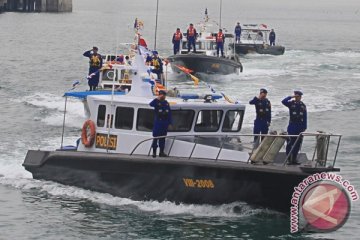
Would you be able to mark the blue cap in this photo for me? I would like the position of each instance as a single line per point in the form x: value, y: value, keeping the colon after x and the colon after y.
x: 162, y: 92
x: 298, y: 92
x: 155, y: 52
x: 263, y: 90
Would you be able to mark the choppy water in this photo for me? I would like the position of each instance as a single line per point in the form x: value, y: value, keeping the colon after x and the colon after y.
x: 41, y: 55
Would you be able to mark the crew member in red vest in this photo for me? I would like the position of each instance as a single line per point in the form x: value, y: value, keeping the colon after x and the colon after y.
x: 220, y: 39
x: 177, y: 37
x: 191, y: 37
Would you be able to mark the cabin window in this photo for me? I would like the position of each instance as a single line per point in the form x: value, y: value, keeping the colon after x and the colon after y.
x: 208, y: 121
x: 108, y: 75
x: 145, y: 120
x: 124, y: 118
x: 101, y: 116
x: 233, y: 120
x: 182, y: 120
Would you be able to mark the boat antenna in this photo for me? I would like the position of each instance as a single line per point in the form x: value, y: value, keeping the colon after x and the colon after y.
x: 220, y: 13
x: 156, y: 21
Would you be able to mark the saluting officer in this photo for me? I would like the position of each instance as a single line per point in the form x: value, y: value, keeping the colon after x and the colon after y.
x: 191, y: 37
x: 177, y: 37
x: 95, y: 66
x: 297, y: 123
x: 263, y: 113
x: 161, y: 122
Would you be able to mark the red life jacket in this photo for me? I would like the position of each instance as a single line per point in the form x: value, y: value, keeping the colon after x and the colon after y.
x: 191, y: 32
x: 219, y: 37
x: 178, y: 36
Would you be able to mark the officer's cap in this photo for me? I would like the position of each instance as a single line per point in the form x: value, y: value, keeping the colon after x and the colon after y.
x: 298, y: 93
x: 155, y: 52
x: 95, y: 48
x: 263, y: 90
x: 162, y: 92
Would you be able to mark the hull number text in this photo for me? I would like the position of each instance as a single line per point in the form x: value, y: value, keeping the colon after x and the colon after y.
x: 198, y: 183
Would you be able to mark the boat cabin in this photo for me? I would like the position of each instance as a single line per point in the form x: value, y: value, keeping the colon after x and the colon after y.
x: 206, y: 43
x: 254, y: 34
x: 127, y: 121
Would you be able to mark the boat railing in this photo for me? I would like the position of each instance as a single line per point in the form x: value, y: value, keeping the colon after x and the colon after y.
x: 324, y: 147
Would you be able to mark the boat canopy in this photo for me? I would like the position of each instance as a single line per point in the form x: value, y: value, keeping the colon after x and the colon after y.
x: 85, y: 94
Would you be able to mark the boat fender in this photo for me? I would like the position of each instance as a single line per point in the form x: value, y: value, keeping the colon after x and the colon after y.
x: 88, y: 138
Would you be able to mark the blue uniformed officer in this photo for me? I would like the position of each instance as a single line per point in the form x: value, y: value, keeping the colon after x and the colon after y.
x: 272, y: 37
x: 95, y: 66
x: 237, y: 32
x: 297, y: 123
x: 263, y: 113
x: 162, y: 121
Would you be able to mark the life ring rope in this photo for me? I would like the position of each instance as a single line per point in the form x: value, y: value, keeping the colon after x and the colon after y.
x: 88, y: 137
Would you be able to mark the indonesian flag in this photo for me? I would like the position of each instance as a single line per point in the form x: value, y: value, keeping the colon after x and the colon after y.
x: 263, y: 25
x: 142, y: 42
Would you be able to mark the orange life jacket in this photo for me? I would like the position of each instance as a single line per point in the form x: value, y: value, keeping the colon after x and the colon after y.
x: 191, y: 32
x: 178, y: 36
x: 219, y: 37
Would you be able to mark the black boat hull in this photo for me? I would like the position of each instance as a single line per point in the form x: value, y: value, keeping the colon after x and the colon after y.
x: 200, y: 63
x: 258, y: 48
x: 180, y: 180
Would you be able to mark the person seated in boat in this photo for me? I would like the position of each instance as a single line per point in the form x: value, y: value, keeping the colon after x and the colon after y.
x: 157, y: 64
x: 220, y: 39
x: 95, y: 65
x: 177, y: 37
x: 120, y: 59
x: 263, y: 114
x: 297, y: 124
x: 237, y: 32
x: 162, y: 122
x: 272, y: 37
x: 191, y: 36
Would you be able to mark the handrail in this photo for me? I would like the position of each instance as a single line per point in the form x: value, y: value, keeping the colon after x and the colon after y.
x: 298, y: 137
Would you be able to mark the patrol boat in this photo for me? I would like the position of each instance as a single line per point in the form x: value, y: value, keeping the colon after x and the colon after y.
x: 205, y: 59
x: 209, y: 161
x: 254, y: 39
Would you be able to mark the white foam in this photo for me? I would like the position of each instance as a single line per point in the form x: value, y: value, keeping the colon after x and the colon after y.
x: 233, y: 210
x: 75, y: 109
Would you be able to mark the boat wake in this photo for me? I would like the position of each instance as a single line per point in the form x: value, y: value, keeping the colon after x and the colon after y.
x: 232, y: 210
x: 51, y: 109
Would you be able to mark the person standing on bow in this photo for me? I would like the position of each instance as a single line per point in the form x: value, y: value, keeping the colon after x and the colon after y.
x: 162, y: 121
x: 272, y: 37
x: 237, y: 33
x: 177, y: 37
x: 191, y: 36
x: 297, y: 124
x: 158, y: 65
x: 94, y: 68
x: 220, y: 39
x: 263, y: 114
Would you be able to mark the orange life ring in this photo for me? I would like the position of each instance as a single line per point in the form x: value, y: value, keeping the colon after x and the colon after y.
x: 88, y: 138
